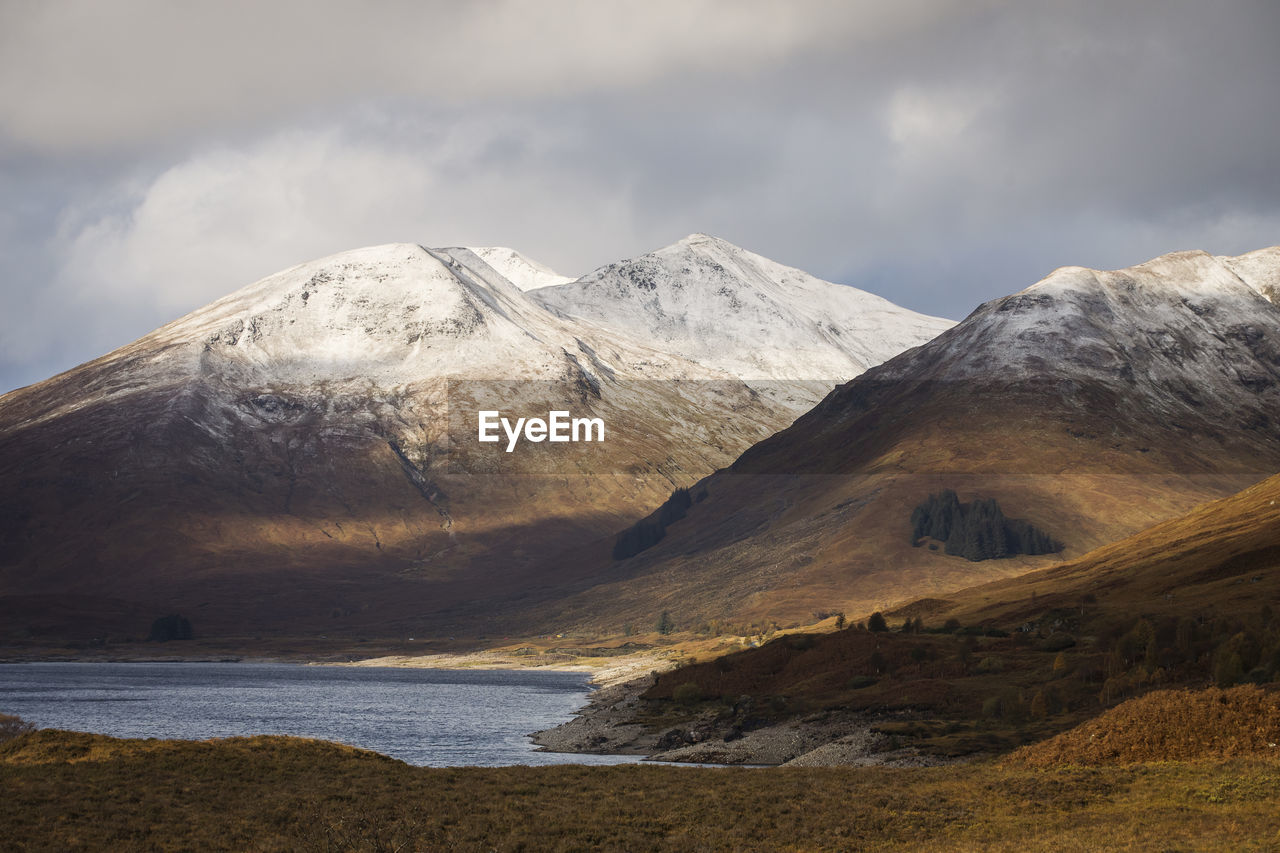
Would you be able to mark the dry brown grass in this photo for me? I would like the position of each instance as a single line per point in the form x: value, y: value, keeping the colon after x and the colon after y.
x: 1168, y: 725
x: 64, y: 792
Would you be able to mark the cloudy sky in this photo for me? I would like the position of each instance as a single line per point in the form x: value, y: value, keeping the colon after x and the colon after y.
x: 156, y: 155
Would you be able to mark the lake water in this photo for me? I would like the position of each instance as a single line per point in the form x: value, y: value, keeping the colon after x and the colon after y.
x: 430, y: 717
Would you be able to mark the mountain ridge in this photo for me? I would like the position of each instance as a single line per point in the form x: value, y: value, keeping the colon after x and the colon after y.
x: 307, y: 444
x: 681, y: 296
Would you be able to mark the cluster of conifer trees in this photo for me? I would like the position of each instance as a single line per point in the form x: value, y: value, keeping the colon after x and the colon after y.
x: 647, y: 532
x: 171, y: 627
x: 977, y: 530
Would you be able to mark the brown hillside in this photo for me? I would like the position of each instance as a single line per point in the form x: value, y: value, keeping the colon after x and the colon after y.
x: 1168, y: 725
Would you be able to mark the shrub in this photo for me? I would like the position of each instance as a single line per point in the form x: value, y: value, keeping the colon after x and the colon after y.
x: 877, y: 623
x: 1056, y: 642
x: 990, y: 664
x: 1229, y: 670
x: 687, y: 693
x: 665, y: 624
x: 12, y: 727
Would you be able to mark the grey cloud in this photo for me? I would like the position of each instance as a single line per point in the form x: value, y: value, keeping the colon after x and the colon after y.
x: 78, y: 74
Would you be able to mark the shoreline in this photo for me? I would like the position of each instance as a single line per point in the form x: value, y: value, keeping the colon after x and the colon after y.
x: 610, y: 722
x: 605, y: 671
x: 602, y: 664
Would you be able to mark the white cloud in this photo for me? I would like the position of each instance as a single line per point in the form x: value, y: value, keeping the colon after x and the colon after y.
x: 922, y: 122
x: 226, y: 217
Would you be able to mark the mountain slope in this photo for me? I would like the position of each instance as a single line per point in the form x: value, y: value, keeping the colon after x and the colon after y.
x: 1222, y: 558
x: 303, y: 455
x: 1092, y: 404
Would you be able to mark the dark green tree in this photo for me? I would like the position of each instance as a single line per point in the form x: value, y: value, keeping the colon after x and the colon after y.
x: 977, y: 530
x: 877, y: 622
x: 1229, y: 670
x: 649, y: 531
x: 665, y: 625
x: 171, y: 627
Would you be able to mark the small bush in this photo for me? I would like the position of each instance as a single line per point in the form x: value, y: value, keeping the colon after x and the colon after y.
x: 13, y: 727
x: 990, y: 664
x: 1056, y: 642
x: 687, y: 693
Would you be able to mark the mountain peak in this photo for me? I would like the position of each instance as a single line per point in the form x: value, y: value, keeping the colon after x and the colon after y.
x: 1183, y: 326
x: 1260, y: 270
x: 702, y: 244
x: 725, y: 307
x: 698, y: 238
x: 1187, y: 272
x: 521, y: 270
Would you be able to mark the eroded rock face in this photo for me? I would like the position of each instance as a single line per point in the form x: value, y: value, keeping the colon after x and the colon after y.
x: 613, y: 723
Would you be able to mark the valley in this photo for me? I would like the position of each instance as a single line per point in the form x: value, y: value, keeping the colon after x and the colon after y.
x: 1017, y: 581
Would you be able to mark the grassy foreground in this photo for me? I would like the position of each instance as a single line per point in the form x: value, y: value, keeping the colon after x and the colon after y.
x: 68, y: 791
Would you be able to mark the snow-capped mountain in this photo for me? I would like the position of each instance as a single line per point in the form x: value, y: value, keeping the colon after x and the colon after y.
x: 1093, y: 404
x: 306, y: 449
x: 525, y: 273
x: 1186, y: 336
x: 722, y: 306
